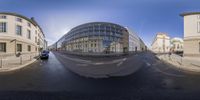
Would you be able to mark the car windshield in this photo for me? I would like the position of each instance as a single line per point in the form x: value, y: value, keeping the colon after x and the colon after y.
x: 44, y: 51
x: 99, y: 49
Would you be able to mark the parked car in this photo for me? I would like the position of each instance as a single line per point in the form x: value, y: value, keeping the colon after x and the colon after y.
x: 44, y: 54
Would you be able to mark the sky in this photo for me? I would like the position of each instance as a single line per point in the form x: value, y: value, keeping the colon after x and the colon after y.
x: 145, y: 17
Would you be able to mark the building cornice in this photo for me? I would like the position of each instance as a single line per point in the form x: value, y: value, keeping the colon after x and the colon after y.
x: 30, y: 20
x: 189, y: 13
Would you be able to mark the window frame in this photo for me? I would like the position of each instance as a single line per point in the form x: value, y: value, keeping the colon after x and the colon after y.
x: 28, y: 34
x: 19, y: 49
x: 19, y: 19
x: 3, y: 17
x: 198, y: 27
x: 16, y: 30
x: 4, y: 47
x: 4, y: 28
x: 29, y: 48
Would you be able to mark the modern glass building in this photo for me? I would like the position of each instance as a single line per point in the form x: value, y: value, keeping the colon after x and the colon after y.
x: 97, y: 37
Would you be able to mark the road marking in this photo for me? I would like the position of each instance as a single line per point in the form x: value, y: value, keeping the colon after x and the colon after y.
x: 169, y: 74
x: 98, y: 63
x: 119, y: 61
x: 82, y: 64
x: 148, y: 64
x: 76, y: 59
x: 119, y: 64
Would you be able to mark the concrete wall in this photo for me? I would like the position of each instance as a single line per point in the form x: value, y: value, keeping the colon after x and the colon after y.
x: 191, y: 35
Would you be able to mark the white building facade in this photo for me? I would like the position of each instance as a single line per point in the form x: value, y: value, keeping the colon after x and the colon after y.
x: 161, y: 43
x: 191, y: 34
x: 134, y: 41
x: 19, y: 34
x: 177, y: 44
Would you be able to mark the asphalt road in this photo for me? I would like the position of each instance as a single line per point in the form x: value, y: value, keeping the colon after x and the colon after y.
x: 51, y: 80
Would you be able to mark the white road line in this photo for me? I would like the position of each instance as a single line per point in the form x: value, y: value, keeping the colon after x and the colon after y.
x: 76, y: 59
x: 119, y: 61
x: 119, y: 64
x: 169, y: 74
x: 148, y: 64
x: 82, y: 64
x: 99, y: 63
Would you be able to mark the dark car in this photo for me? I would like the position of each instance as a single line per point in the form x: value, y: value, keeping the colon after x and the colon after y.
x: 44, y: 54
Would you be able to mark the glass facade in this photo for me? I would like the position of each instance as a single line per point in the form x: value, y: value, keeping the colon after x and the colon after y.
x: 97, y: 37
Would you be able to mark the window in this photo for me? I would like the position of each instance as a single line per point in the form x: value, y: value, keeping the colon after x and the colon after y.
x: 95, y: 45
x: 198, y: 16
x: 3, y: 27
x: 198, y: 27
x: 199, y: 46
x: 3, y: 17
x: 19, y: 19
x: 2, y: 47
x: 178, y: 46
x: 28, y: 34
x: 29, y: 24
x: 19, y: 47
x: 19, y: 30
x: 29, y: 48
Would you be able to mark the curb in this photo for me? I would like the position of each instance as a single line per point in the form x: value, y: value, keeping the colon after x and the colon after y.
x: 17, y: 68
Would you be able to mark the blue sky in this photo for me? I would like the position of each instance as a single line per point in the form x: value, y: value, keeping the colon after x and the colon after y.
x: 145, y: 17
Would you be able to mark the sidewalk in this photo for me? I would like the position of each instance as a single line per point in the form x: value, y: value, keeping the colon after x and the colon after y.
x: 184, y: 63
x: 13, y: 63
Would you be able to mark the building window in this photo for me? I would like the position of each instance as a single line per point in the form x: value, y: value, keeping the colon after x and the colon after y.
x: 198, y: 16
x: 19, y: 19
x: 29, y: 24
x: 3, y: 26
x: 19, y: 30
x: 199, y: 46
x: 29, y: 48
x: 95, y: 45
x: 2, y: 47
x: 3, y: 17
x: 28, y: 34
x: 198, y: 27
x: 19, y: 47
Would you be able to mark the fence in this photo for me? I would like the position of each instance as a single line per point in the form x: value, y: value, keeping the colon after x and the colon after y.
x: 13, y: 60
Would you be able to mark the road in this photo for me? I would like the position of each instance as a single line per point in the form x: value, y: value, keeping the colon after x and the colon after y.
x: 52, y: 80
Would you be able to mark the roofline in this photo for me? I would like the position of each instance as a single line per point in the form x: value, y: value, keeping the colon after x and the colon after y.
x: 28, y: 19
x: 94, y: 23
x: 189, y: 13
